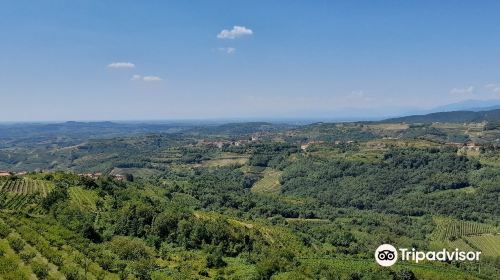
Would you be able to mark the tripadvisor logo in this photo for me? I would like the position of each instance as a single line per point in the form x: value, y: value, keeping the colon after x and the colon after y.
x: 387, y: 255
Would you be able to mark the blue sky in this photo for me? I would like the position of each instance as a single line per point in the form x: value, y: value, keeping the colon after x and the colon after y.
x: 172, y: 59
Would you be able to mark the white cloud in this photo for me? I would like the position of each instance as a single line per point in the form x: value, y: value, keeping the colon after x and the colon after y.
x: 121, y: 65
x: 228, y: 50
x: 145, y: 78
x: 151, y: 78
x: 236, y: 32
x: 493, y: 87
x: 358, y: 96
x: 462, y: 91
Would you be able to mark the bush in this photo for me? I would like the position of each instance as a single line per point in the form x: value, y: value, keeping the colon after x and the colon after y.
x: 53, y: 256
x: 143, y: 268
x: 6, y: 265
x: 27, y: 255
x: 4, y: 230
x: 71, y: 272
x: 404, y: 274
x: 215, y: 260
x: 40, y: 269
x: 130, y: 248
x: 17, y: 244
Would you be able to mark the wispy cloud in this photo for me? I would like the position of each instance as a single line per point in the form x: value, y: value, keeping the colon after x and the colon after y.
x: 493, y: 87
x: 228, y: 50
x: 146, y: 78
x: 462, y: 91
x: 236, y: 32
x: 151, y: 78
x: 121, y: 65
x: 136, y: 78
x: 359, y: 96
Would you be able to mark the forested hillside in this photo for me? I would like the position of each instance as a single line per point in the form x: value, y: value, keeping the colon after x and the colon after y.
x: 256, y: 202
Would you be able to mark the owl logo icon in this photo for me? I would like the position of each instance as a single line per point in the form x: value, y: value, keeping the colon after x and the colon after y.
x: 386, y: 255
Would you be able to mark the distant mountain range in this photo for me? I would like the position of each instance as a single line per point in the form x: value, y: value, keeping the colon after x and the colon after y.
x: 453, y: 117
x: 468, y: 105
x: 465, y: 105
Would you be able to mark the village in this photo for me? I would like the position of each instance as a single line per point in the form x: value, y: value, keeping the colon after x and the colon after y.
x: 95, y: 175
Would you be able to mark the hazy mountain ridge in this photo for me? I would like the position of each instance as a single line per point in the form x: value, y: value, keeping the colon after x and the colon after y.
x: 453, y: 117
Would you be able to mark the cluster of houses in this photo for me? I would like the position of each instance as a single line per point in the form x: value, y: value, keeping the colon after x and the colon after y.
x: 96, y: 175
x: 8, y: 173
x: 227, y: 143
x: 90, y: 175
x: 306, y: 145
x: 471, y: 146
x: 118, y: 177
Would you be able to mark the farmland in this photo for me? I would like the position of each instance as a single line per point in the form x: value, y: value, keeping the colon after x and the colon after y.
x: 269, y: 182
x: 489, y: 244
x: 83, y: 198
x: 25, y: 187
x: 452, y: 229
x: 39, y: 257
x: 23, y: 194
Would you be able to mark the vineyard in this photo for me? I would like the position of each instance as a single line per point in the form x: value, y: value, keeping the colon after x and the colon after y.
x: 467, y: 236
x: 83, y: 198
x: 41, y: 251
x: 488, y: 244
x: 269, y: 183
x: 24, y: 194
x: 26, y: 186
x: 448, y: 229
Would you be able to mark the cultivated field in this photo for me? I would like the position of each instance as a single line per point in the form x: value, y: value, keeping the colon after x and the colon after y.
x: 269, y: 183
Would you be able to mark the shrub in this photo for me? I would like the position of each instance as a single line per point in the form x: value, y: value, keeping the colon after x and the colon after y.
x: 17, y: 244
x: 404, y: 274
x: 130, y: 248
x: 4, y: 230
x: 143, y: 268
x: 6, y: 265
x: 27, y: 255
x: 53, y: 256
x: 71, y: 272
x: 40, y: 269
x: 214, y: 260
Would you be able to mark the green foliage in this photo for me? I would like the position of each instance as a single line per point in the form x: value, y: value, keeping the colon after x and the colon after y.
x: 16, y: 243
x: 4, y: 230
x: 166, y: 223
x: 399, y: 184
x: 129, y: 248
x: 27, y: 255
x: 40, y: 269
x: 60, y: 193
x: 404, y: 274
x: 214, y: 258
x: 275, y: 260
x: 71, y: 272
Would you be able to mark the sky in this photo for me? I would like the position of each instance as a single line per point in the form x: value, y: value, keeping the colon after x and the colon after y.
x: 161, y: 60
